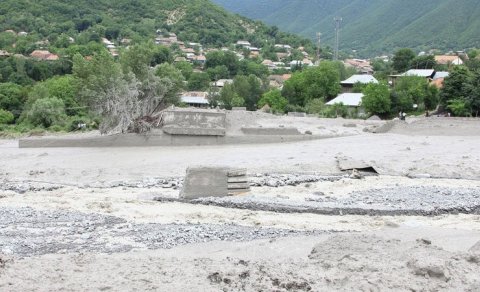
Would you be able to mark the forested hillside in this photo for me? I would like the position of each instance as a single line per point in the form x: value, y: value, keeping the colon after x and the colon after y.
x: 193, y: 20
x: 64, y: 64
x: 373, y: 26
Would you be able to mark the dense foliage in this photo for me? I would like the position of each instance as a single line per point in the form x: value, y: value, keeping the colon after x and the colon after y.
x: 87, y: 21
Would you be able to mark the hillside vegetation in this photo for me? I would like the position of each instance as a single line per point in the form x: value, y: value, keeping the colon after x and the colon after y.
x: 373, y: 26
x: 193, y: 20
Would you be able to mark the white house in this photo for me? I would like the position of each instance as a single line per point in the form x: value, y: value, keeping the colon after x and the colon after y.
x: 347, y: 85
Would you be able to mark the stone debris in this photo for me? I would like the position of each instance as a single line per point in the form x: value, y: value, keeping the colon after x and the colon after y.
x: 29, y: 232
x: 401, y: 200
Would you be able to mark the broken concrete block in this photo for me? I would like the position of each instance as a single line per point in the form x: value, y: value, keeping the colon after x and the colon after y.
x: 214, y: 182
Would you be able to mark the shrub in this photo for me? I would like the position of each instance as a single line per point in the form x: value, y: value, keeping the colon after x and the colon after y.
x: 336, y: 110
x: 459, y: 108
x: 294, y: 108
x: 275, y: 100
x: 6, y: 117
x: 315, y: 106
x: 46, y: 112
x: 377, y: 99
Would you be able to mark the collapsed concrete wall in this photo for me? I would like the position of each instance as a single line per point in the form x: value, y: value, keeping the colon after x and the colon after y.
x: 194, y: 122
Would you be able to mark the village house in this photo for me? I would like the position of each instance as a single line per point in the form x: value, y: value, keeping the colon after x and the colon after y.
x: 282, y: 56
x: 220, y: 83
x: 244, y: 44
x: 362, y: 66
x: 353, y: 101
x: 180, y: 59
x: 277, y: 81
x: 4, y: 54
x: 448, y: 60
x: 44, y: 55
x: 439, y: 79
x: 348, y: 84
x: 434, y: 78
x: 200, y: 59
x: 281, y: 46
x: 195, y: 99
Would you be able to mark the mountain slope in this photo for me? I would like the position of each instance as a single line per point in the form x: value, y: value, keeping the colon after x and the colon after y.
x: 373, y: 26
x: 193, y: 20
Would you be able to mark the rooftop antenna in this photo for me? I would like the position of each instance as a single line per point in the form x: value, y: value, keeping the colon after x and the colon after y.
x: 338, y: 23
x: 318, y: 45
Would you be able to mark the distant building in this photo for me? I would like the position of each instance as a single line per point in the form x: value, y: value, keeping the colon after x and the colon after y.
x: 44, y: 55
x: 195, y: 99
x: 200, y: 59
x: 361, y: 65
x: 448, y: 60
x: 222, y: 82
x: 353, y: 101
x: 347, y: 85
x: 430, y: 74
x: 4, y: 54
x: 244, y: 44
x: 439, y: 79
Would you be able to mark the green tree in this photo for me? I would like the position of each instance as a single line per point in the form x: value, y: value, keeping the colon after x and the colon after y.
x: 249, y: 88
x: 275, y: 101
x: 6, y: 117
x: 186, y: 68
x: 228, y: 98
x: 63, y: 87
x: 423, y: 62
x: 456, y: 85
x: 315, y: 106
x: 47, y: 112
x: 198, y: 81
x: 316, y: 82
x: 411, y: 90
x: 12, y: 98
x: 473, y: 98
x: 376, y: 99
x: 403, y: 59
x: 219, y: 72
x: 249, y: 67
x: 459, y: 107
x: 223, y: 58
x: 169, y: 71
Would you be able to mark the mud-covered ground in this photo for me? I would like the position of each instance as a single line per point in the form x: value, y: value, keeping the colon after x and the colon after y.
x: 83, y: 219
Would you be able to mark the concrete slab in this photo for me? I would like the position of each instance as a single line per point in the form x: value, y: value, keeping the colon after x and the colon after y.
x: 173, y: 130
x: 194, y: 122
x: 205, y: 182
x: 137, y: 140
x: 271, y: 131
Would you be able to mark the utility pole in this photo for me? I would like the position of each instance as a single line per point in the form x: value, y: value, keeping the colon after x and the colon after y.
x: 318, y: 46
x: 338, y: 23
